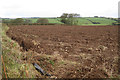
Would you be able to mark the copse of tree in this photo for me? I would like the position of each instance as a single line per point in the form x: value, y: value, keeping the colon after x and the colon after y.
x: 64, y: 15
x: 42, y: 21
x: 70, y: 19
x: 95, y: 16
x: 5, y: 21
x: 71, y: 15
x: 17, y: 21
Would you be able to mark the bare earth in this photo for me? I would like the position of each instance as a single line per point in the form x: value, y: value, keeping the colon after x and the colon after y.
x: 71, y: 51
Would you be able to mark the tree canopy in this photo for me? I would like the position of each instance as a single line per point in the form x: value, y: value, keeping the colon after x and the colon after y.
x: 70, y: 19
x: 17, y: 21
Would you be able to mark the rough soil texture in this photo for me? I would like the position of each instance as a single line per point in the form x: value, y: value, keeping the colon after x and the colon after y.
x: 71, y: 51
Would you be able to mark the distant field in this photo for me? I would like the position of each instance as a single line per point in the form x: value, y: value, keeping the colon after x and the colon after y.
x: 102, y: 21
x: 55, y: 20
x: 81, y: 21
x: 86, y: 21
x: 33, y: 20
x: 51, y: 20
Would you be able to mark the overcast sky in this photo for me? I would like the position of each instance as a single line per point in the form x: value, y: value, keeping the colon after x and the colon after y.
x: 55, y: 8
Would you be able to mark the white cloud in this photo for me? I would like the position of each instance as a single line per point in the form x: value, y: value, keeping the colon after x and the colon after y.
x: 51, y: 8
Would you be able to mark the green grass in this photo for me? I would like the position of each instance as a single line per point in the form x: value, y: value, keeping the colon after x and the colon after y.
x: 33, y: 20
x: 102, y: 21
x: 51, y: 62
x: 83, y: 21
x: 52, y: 20
x: 12, y: 56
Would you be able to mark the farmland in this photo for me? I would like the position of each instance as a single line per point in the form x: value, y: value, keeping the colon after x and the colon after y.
x: 90, y: 21
x: 102, y: 21
x: 82, y: 21
x: 70, y: 51
x: 51, y: 20
x: 55, y: 20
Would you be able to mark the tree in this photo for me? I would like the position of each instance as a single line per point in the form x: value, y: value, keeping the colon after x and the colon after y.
x: 70, y: 19
x: 95, y: 16
x: 42, y: 21
x: 17, y: 21
x: 64, y: 15
x: 6, y: 21
x: 71, y: 15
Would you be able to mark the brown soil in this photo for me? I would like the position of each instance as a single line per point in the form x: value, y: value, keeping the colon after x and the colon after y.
x: 71, y: 51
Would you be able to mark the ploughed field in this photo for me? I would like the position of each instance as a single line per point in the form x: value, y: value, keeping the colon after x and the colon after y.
x: 70, y: 51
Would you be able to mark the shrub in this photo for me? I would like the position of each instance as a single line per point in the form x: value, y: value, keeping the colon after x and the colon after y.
x: 95, y: 22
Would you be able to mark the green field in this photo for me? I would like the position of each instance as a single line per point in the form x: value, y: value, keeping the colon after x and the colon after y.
x: 50, y: 20
x: 81, y: 20
x: 86, y: 21
x: 55, y: 20
x: 102, y: 21
x: 33, y: 20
